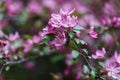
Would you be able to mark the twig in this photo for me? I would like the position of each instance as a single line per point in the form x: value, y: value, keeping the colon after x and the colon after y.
x: 2, y: 68
x: 10, y: 63
x: 15, y: 62
x: 84, y: 57
x: 86, y: 61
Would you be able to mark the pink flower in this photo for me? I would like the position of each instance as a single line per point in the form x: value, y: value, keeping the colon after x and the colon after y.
x: 63, y: 20
x: 67, y: 71
x: 111, y: 67
x: 60, y: 39
x: 79, y: 74
x: 34, y: 7
x: 99, y: 54
x: 55, y: 21
x: 13, y: 7
x: 70, y: 22
x: 110, y: 21
x: 109, y: 8
x: 66, y: 13
x: 89, y: 19
x: 117, y: 57
x: 13, y: 37
x: 58, y: 25
x: 116, y: 21
x: 28, y: 46
x: 4, y: 47
x: 92, y: 33
x: 108, y: 39
x: 37, y: 38
x: 51, y: 4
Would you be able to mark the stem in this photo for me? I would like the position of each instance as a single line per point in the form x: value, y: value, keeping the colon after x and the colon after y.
x: 15, y: 62
x: 89, y: 65
x: 2, y: 68
x: 86, y: 61
x: 115, y: 39
x: 10, y: 63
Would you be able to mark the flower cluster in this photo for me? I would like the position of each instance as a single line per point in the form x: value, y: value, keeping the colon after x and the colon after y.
x: 112, y: 66
x: 59, y: 25
x: 86, y: 31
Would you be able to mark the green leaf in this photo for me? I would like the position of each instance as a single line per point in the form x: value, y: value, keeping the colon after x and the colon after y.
x: 82, y: 78
x: 15, y: 57
x: 82, y: 42
x: 92, y: 75
x: 7, y: 68
x: 77, y: 40
x: 1, y: 56
x: 27, y: 36
x: 85, y: 69
x: 77, y: 28
x: 73, y: 45
x: 45, y: 40
x: 101, y: 64
x: 71, y: 35
x: 57, y: 58
x: 75, y: 53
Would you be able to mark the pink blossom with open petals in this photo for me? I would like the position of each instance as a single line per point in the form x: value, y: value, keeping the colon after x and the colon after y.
x: 37, y: 38
x: 28, y: 46
x: 13, y: 37
x: 92, y: 33
x: 60, y: 39
x: 55, y: 21
x: 13, y: 7
x: 99, y: 54
x: 109, y: 8
x: 4, y: 48
x: 34, y: 7
x: 63, y: 20
x: 111, y: 67
x: 66, y: 13
x: 70, y: 22
x: 117, y: 57
x: 58, y: 25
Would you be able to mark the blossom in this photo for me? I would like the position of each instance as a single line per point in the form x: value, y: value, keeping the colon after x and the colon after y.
x: 34, y: 7
x: 117, y: 57
x: 13, y: 7
x: 110, y: 21
x: 109, y: 8
x: 28, y: 46
x: 4, y: 48
x: 51, y: 4
x: 55, y: 21
x: 116, y: 21
x: 13, y: 37
x: 89, y: 19
x: 58, y: 25
x: 99, y: 54
x: 111, y: 67
x: 92, y: 33
x: 66, y: 13
x: 37, y: 38
x: 59, y: 41
x: 70, y: 22
x: 64, y: 19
